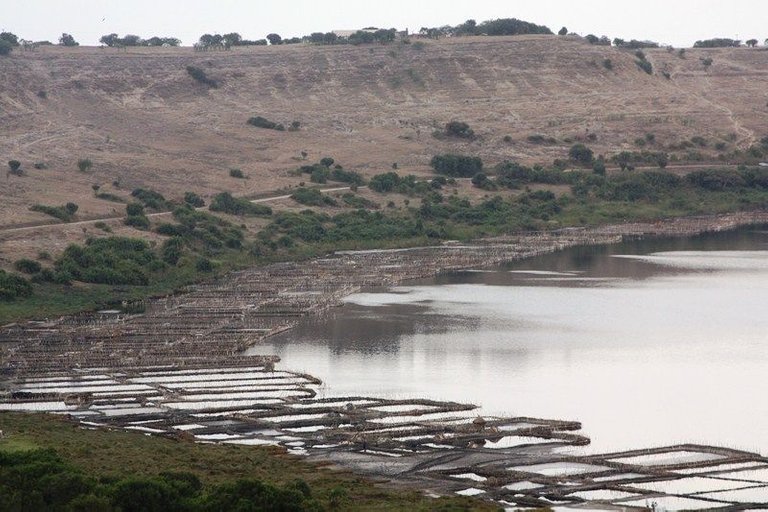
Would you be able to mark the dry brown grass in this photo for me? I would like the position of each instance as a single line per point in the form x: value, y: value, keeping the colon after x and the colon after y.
x: 143, y: 121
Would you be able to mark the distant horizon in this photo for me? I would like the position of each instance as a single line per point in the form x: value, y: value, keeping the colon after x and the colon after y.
x: 678, y: 23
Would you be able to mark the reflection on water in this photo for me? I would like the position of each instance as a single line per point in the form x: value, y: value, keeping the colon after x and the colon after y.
x: 646, y: 343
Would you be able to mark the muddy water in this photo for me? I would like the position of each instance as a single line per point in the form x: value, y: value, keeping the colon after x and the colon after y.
x: 647, y: 343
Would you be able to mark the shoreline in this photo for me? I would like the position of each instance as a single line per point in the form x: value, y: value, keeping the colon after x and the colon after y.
x: 178, y: 371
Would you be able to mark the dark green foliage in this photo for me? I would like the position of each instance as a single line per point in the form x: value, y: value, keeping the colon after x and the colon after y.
x: 226, y: 203
x: 64, y: 213
x: 480, y: 180
x: 204, y: 265
x: 112, y: 260
x: 106, y: 196
x: 40, y: 165
x: 67, y: 40
x: 194, y: 200
x: 312, y: 197
x: 384, y: 182
x: 135, y: 216
x: 510, y: 27
x: 581, y: 154
x: 608, y: 64
x: 513, y: 175
x: 599, y: 41
x: 459, y: 129
x: 5, y: 47
x: 13, y: 286
x: 262, y: 122
x: 40, y: 480
x: 457, y: 165
x: 541, y: 139
x: 645, y: 66
x: 351, y: 177
x: 326, y: 161
x: 627, y: 158
x: 598, y: 167
x: 718, y: 42
x: 200, y: 75
x: 27, y: 266
x: 15, y: 167
x: 562, y: 32
x: 356, y: 201
x: 236, y: 173
x: 10, y: 38
x: 84, y: 164
x: 707, y: 62
x: 151, y: 199
x: 320, y: 174
x: 634, y: 44
x: 716, y: 180
x: 172, y: 250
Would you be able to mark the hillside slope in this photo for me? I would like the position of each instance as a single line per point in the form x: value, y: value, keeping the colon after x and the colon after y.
x: 144, y: 121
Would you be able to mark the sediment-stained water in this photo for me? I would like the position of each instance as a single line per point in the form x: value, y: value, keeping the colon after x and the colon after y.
x: 647, y: 343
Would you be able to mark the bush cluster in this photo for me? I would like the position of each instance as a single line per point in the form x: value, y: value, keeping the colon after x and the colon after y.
x: 226, y: 203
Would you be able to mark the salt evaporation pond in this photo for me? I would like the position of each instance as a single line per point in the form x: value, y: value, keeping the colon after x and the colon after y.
x: 647, y: 343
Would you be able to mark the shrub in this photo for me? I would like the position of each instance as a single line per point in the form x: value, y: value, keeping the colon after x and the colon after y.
x: 645, y: 66
x: 581, y: 154
x: 457, y: 165
x: 27, y: 266
x: 480, y: 180
x: 236, y: 173
x: 459, y: 129
x: 598, y: 167
x: 199, y: 75
x: 608, y: 64
x: 541, y: 139
x: 64, y: 213
x: 356, y: 201
x: 342, y: 176
x: 172, y: 250
x: 193, y: 199
x: 326, y: 161
x: 40, y: 165
x: 225, y: 203
x: 204, y: 265
x: 262, y: 122
x: 111, y: 260
x: 151, y: 199
x: 84, y: 164
x: 13, y: 286
x: 15, y: 167
x: 715, y: 179
x: 384, y: 182
x: 312, y: 197
x: 106, y: 196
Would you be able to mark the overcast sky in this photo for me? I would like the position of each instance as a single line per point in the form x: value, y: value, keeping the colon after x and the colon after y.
x: 676, y: 22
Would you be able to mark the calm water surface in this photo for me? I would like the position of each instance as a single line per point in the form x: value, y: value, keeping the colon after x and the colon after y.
x: 646, y: 343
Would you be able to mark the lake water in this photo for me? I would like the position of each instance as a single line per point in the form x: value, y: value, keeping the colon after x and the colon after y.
x: 646, y: 343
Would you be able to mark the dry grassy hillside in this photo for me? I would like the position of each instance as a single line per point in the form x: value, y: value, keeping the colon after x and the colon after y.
x: 144, y: 121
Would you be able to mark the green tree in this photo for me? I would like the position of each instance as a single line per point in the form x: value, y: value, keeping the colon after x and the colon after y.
x: 5, y: 47
x: 110, y: 39
x: 274, y: 39
x: 10, y: 38
x: 562, y: 32
x: 581, y: 154
x: 67, y: 40
x: 751, y: 43
x: 14, y: 165
x: 233, y: 39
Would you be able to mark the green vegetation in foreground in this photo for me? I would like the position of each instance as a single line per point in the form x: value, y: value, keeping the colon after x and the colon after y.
x: 47, y: 463
x: 109, y: 271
